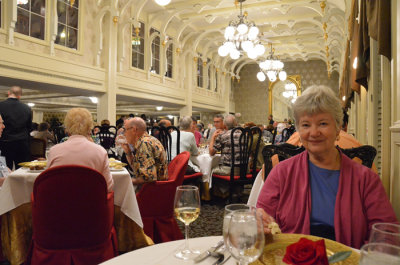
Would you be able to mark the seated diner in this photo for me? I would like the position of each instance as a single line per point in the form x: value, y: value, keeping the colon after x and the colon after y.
x: 79, y: 149
x: 321, y: 191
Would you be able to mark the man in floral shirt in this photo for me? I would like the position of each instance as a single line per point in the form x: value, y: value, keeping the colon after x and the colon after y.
x: 145, y: 154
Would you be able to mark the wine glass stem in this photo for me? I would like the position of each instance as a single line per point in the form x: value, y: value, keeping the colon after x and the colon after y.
x: 186, y: 236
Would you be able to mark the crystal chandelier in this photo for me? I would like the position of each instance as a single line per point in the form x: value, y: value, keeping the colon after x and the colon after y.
x: 241, y: 35
x: 272, y: 67
x: 290, y: 92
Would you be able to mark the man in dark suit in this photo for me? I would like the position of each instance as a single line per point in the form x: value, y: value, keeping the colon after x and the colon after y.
x: 17, y: 116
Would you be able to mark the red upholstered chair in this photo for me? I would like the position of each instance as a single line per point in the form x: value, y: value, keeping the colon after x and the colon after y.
x: 156, y: 202
x: 72, y: 218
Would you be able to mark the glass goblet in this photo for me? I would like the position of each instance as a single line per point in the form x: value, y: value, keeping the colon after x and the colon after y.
x: 385, y: 233
x: 379, y: 253
x: 187, y: 209
x: 245, y: 236
x: 229, y: 209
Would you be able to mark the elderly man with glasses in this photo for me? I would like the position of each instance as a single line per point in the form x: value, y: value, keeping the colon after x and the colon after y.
x: 145, y: 154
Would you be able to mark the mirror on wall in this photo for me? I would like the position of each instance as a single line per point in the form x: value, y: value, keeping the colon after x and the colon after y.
x: 282, y: 95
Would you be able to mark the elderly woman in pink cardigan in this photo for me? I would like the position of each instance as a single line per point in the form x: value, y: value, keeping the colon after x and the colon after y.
x: 321, y: 191
x: 80, y: 149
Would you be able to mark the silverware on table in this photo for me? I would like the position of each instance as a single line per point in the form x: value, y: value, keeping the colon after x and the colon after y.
x: 210, y: 252
x: 222, y: 261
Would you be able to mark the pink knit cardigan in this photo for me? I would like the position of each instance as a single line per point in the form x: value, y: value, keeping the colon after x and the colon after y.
x: 361, y: 200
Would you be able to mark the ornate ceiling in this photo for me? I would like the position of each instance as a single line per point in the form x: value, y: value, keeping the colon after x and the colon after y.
x: 298, y: 29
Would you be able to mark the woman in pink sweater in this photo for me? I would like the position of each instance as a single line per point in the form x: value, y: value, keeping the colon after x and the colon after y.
x: 321, y: 191
x: 80, y: 149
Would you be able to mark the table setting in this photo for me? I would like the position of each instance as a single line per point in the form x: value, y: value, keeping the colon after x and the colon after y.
x: 243, y: 241
x: 15, y: 208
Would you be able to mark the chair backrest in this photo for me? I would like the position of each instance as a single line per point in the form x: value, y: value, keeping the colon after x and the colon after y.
x: 274, y: 135
x: 365, y: 153
x: 69, y: 208
x: 287, y: 132
x: 160, y: 194
x: 59, y: 133
x: 283, y: 151
x: 254, y: 153
x: 107, y: 138
x: 163, y: 134
x: 242, y: 152
x: 37, y: 148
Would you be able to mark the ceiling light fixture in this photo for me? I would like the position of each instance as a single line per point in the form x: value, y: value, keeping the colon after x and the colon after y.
x: 170, y: 117
x: 159, y: 108
x: 94, y: 100
x: 241, y: 36
x: 271, y: 67
x: 30, y: 104
x: 163, y: 2
x: 290, y: 92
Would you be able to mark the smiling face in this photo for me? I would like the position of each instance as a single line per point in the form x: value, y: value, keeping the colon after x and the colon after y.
x: 318, y: 133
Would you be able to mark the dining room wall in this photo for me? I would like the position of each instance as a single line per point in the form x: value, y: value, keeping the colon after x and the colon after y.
x: 251, y: 95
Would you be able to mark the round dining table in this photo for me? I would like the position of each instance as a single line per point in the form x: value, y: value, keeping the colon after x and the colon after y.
x: 163, y: 254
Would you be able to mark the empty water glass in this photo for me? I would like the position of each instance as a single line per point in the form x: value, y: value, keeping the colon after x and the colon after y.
x: 227, y: 217
x: 245, y: 236
x: 385, y: 233
x: 380, y: 253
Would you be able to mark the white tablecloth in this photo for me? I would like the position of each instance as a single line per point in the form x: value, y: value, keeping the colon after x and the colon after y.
x: 206, y: 164
x: 161, y: 254
x: 18, y: 186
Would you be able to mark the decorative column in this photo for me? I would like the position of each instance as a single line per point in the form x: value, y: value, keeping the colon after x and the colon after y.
x: 106, y: 108
x: 189, y: 81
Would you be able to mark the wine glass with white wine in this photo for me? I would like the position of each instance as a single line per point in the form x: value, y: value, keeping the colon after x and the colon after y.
x: 187, y: 209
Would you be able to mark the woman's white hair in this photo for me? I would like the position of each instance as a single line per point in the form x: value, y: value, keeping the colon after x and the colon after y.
x: 318, y: 99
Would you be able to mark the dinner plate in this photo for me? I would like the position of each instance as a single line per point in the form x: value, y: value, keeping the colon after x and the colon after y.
x: 116, y: 169
x: 35, y: 170
x: 273, y: 252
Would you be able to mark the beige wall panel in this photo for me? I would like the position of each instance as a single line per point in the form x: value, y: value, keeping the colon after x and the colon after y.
x: 251, y: 95
x: 16, y: 63
x: 145, y: 89
x: 3, y: 36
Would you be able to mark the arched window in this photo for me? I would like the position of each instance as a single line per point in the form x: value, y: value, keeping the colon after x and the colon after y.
x: 31, y: 18
x: 199, y: 72
x: 138, y: 47
x: 155, y: 53
x: 68, y: 24
x: 170, y: 59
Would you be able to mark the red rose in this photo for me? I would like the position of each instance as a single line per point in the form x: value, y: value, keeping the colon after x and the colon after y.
x: 306, y: 252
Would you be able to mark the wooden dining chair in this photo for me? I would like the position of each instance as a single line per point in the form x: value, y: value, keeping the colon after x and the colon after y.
x: 37, y: 148
x: 273, y: 154
x: 163, y: 134
x: 243, y: 152
x: 71, y: 225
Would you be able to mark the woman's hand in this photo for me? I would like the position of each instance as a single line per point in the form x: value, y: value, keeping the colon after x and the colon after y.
x: 267, y: 219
